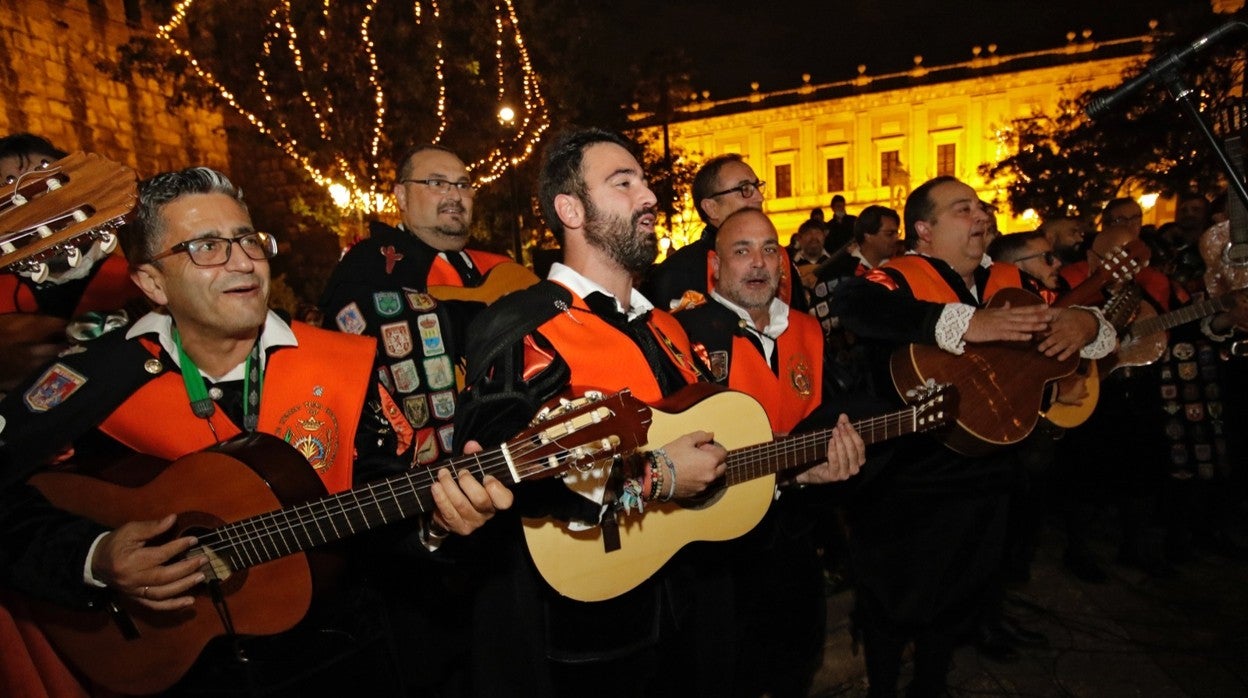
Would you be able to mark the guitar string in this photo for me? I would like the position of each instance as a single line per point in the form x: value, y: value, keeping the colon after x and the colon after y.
x: 383, y: 496
x: 740, y: 460
x: 267, y: 527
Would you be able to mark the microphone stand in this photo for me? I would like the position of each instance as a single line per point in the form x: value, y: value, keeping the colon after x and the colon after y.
x: 1182, y: 93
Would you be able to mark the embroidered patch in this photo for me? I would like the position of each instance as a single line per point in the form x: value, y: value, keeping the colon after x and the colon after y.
x: 1187, y: 370
x: 439, y: 372
x: 1195, y: 411
x: 800, y: 375
x: 443, y: 404
x: 419, y: 301
x: 718, y: 364
x: 391, y: 257
x: 396, y: 339
x: 406, y: 378
x: 387, y: 303
x: 313, y: 430
x: 417, y: 410
x: 53, y: 387
x: 1184, y: 351
x: 446, y: 438
x: 431, y: 335
x: 426, y: 447
x: 383, y: 377
x: 350, y: 319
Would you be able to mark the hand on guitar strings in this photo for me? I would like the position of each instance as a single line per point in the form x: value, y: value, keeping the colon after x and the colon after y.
x: 464, y: 503
x: 699, y: 461
x: 1069, y: 330
x: 124, y: 561
x: 846, y: 454
x: 1007, y: 324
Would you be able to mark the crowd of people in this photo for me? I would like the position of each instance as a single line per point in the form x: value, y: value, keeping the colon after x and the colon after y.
x: 440, y: 595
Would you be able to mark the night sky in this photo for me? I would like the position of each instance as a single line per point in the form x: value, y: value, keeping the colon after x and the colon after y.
x: 733, y: 42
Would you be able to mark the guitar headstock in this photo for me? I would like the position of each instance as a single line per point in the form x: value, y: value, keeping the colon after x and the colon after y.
x: 51, y: 212
x: 576, y: 433
x: 935, y: 404
x: 1123, y: 263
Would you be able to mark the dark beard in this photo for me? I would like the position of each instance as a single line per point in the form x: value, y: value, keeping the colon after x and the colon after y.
x: 619, y: 238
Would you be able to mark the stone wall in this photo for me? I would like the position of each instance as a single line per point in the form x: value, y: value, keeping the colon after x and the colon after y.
x: 56, y: 81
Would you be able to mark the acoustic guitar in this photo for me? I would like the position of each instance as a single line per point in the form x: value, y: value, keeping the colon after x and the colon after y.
x: 50, y: 213
x: 579, y: 565
x: 256, y: 507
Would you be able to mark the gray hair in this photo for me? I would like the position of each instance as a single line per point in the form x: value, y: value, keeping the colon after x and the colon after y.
x: 143, y: 236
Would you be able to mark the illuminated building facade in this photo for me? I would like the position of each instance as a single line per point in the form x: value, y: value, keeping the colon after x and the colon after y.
x: 872, y: 138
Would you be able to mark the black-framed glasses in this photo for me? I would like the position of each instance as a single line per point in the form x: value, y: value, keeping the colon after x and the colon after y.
x: 215, y: 251
x: 745, y: 189
x: 1123, y: 220
x: 1049, y: 258
x: 443, y: 186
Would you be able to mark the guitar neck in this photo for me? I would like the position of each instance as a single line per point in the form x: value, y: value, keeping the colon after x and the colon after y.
x: 1182, y: 316
x: 258, y: 539
x: 753, y: 462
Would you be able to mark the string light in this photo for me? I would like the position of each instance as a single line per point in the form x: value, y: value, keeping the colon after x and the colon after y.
x: 350, y: 188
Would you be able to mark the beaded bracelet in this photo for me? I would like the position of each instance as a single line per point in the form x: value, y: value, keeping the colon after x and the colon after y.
x: 661, y: 459
x: 656, y: 474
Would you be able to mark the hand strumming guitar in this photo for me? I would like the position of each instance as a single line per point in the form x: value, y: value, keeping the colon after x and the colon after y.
x: 124, y: 561
x: 699, y: 461
x: 1009, y: 324
x: 1070, y: 330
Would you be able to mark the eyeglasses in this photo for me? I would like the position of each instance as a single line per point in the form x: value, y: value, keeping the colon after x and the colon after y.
x: 442, y: 186
x: 745, y: 189
x: 1123, y: 220
x: 215, y: 251
x: 1049, y: 258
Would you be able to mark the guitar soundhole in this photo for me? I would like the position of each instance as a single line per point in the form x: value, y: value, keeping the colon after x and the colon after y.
x: 203, y: 526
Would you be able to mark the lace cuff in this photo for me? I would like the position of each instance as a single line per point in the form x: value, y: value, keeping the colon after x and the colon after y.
x: 1106, y: 336
x: 952, y: 325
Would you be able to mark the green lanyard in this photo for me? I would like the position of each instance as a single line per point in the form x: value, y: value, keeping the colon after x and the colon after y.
x: 202, y: 405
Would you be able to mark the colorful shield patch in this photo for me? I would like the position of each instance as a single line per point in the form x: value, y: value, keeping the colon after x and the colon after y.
x: 439, y: 372
x: 446, y: 437
x: 53, y: 387
x: 313, y: 430
x: 426, y: 446
x: 396, y: 339
x: 419, y: 301
x: 430, y: 335
x: 350, y: 319
x: 443, y: 404
x: 387, y: 303
x: 417, y: 410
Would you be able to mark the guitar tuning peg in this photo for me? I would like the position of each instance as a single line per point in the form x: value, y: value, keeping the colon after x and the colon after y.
x: 39, y: 274
x: 44, y: 231
x: 108, y: 243
x: 73, y: 256
x: 80, y: 215
x: 53, y: 184
x: 8, y: 247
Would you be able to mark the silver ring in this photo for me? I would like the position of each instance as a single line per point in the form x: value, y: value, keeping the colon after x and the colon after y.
x: 144, y: 594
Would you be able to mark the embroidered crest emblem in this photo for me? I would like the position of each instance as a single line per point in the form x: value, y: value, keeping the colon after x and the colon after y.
x: 446, y: 437
x: 419, y: 301
x: 387, y: 303
x: 439, y: 372
x: 1188, y: 370
x: 402, y: 429
x: 313, y: 430
x: 417, y: 410
x: 1169, y: 392
x: 426, y: 446
x: 1195, y: 411
x: 383, y: 376
x: 1184, y: 351
x: 718, y: 363
x: 430, y: 335
x: 800, y: 375
x: 350, y: 319
x: 392, y: 257
x: 396, y: 339
x: 53, y: 387
x: 406, y: 378
x: 443, y: 404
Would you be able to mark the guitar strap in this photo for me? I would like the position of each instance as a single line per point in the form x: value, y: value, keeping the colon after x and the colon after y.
x: 114, y: 369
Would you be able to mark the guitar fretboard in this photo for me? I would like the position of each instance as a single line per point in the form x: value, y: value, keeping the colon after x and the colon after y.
x: 752, y: 462
x: 1182, y: 316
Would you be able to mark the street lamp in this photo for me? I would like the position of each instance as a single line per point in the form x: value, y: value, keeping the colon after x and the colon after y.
x: 507, y: 117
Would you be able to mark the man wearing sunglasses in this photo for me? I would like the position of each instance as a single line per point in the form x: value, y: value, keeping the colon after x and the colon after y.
x: 1034, y: 255
x: 210, y: 363
x: 724, y: 185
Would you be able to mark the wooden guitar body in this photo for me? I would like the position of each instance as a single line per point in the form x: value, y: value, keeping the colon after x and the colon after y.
x: 205, y: 489
x: 1071, y: 416
x: 1140, y: 350
x: 577, y: 564
x: 1001, y: 384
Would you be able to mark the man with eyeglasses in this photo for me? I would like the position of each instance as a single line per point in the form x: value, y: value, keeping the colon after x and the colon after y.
x: 33, y: 315
x: 724, y: 184
x: 1033, y: 254
x: 210, y: 363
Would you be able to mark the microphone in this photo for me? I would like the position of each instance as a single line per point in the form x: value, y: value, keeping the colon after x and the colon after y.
x: 1159, y: 66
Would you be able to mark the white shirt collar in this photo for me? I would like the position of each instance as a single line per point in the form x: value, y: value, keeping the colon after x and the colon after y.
x: 582, y: 286
x: 275, y: 334
x: 778, y: 315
